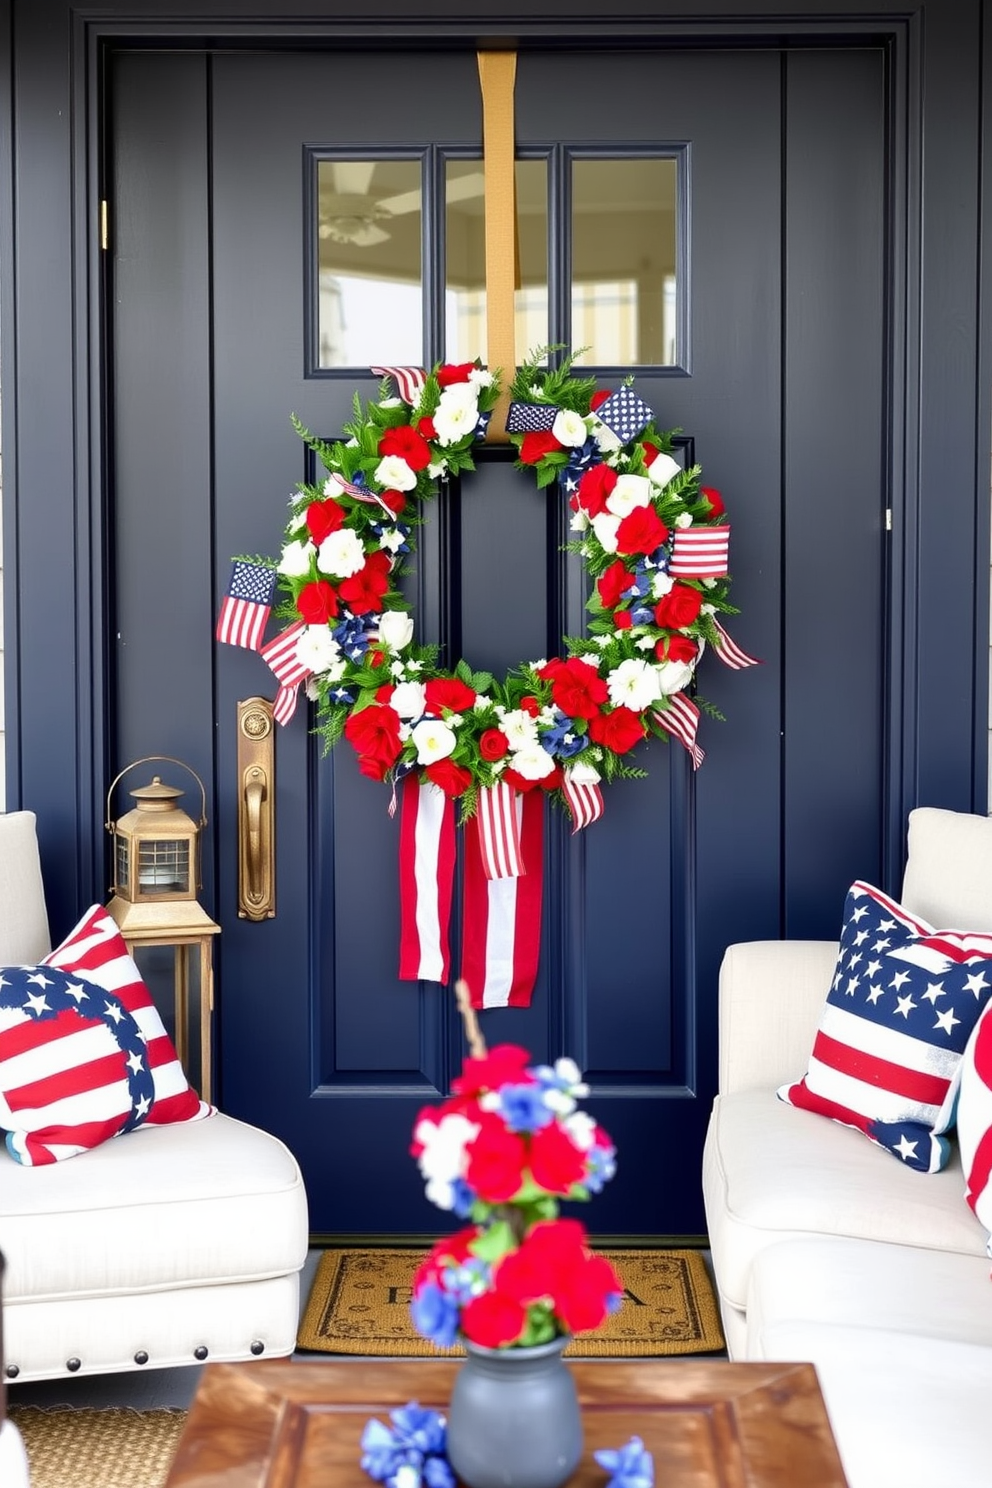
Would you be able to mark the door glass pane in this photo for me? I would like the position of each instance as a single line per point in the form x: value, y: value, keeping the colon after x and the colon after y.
x: 465, y: 269
x: 370, y: 300
x: 624, y: 261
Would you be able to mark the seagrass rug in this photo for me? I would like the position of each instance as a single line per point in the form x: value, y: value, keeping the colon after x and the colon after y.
x: 111, y: 1448
x: 360, y: 1304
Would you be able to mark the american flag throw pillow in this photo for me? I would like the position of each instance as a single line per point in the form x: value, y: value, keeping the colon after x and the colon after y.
x: 974, y: 1120
x: 84, y: 1055
x: 903, y: 1003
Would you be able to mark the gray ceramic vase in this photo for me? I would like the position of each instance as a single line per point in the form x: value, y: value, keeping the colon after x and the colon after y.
x: 514, y: 1419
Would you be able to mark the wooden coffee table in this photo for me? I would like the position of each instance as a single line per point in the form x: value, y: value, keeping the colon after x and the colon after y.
x: 279, y: 1424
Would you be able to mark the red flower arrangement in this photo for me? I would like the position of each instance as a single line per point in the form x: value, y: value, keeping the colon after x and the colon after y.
x: 503, y: 1151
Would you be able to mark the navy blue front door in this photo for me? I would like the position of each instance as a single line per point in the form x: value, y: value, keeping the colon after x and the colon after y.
x: 781, y: 385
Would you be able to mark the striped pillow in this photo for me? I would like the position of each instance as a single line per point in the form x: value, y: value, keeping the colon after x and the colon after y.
x: 887, y: 1054
x: 83, y: 1052
x: 974, y: 1118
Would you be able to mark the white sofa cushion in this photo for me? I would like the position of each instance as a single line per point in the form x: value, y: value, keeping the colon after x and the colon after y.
x: 871, y: 1284
x: 171, y: 1206
x: 906, y: 1412
x: 771, y: 1172
x: 24, y: 935
x: 948, y: 877
x: 13, y: 1457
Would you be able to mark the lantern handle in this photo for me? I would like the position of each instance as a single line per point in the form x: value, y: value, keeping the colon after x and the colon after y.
x: 170, y: 760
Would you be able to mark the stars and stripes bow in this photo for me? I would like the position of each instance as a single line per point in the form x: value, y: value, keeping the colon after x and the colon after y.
x: 281, y: 655
x: 246, y: 606
x: 681, y: 720
x: 409, y: 381
x: 700, y: 552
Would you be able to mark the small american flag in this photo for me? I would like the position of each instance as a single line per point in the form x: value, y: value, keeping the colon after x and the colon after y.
x: 281, y: 656
x: 246, y: 605
x: 700, y: 552
x: 359, y: 493
x: 409, y: 381
x: 530, y: 418
x: 625, y: 413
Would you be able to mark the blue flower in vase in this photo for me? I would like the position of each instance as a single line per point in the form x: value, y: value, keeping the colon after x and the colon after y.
x: 631, y: 1466
x: 417, y: 1426
x: 435, y: 1315
x: 602, y: 1166
x: 462, y: 1198
x: 523, y: 1109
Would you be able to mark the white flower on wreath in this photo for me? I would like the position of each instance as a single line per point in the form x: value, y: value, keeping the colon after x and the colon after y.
x: 391, y: 540
x: 437, y: 468
x: 457, y: 413
x: 583, y: 773
x: 481, y: 377
x: 295, y: 560
x: 317, y: 650
x: 433, y: 739
x: 605, y: 526
x: 390, y: 403
x: 519, y: 727
x: 663, y: 469
x: 579, y: 521
x: 570, y: 428
x: 633, y: 684
x: 661, y: 584
x: 629, y: 492
x: 409, y: 699
x: 674, y: 675
x: 395, y: 629
x: 341, y: 554
x: 532, y: 762
x: 393, y: 474
x: 605, y: 438
x: 684, y: 519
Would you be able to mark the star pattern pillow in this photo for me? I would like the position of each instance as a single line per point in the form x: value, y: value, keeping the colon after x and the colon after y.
x: 904, y: 1000
x: 84, y: 1055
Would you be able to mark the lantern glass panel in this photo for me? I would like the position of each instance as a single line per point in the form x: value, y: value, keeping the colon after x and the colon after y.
x: 123, y: 858
x: 163, y: 866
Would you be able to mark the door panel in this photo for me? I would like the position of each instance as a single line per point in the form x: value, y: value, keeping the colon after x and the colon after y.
x: 318, y: 1039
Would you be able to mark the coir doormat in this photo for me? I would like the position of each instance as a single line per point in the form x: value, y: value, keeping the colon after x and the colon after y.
x: 360, y: 1304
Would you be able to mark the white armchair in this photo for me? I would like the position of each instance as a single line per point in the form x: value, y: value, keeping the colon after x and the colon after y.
x: 165, y: 1246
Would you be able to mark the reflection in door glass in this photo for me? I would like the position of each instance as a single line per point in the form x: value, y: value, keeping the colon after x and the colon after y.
x: 624, y: 262
x: 465, y: 270
x: 370, y: 300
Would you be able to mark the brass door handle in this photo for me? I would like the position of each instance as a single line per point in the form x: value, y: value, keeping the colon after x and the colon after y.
x: 256, y: 810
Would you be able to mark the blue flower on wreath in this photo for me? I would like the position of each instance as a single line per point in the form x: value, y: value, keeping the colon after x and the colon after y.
x: 351, y: 636
x: 341, y: 695
x: 380, y: 528
x: 641, y: 615
x: 640, y: 583
x: 563, y: 739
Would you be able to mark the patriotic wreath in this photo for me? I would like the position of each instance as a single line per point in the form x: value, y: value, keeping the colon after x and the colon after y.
x: 653, y: 540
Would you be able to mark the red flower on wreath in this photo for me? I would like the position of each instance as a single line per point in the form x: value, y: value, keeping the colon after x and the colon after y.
x: 576, y: 686
x: 451, y: 372
x: 678, y: 608
x: 317, y: 602
x: 374, y: 734
x: 676, y: 648
x: 451, y: 693
x: 594, y: 488
x: 619, y: 730
x: 493, y: 744
x: 363, y: 591
x: 538, y: 443
x: 453, y: 779
x: 613, y: 583
x: 641, y: 531
x: 410, y: 446
x: 323, y: 518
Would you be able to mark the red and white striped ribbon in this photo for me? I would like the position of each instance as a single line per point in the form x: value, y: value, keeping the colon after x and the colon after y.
x: 427, y: 873
x: 501, y: 937
x: 729, y: 652
x: 700, y: 552
x: 681, y: 719
x: 409, y: 381
x: 585, y: 802
x: 498, y: 829
x: 280, y: 654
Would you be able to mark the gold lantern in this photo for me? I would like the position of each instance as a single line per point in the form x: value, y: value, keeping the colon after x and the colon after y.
x: 156, y: 873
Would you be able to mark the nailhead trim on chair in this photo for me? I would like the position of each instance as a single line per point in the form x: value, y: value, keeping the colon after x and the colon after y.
x: 12, y: 1371
x: 257, y: 1347
x: 73, y: 1364
x: 141, y: 1357
x: 200, y: 1352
